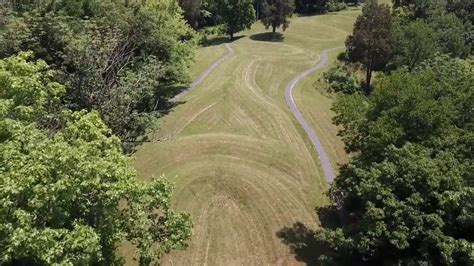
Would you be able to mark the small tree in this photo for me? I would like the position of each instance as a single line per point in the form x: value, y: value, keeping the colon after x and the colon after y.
x: 276, y: 13
x: 369, y: 43
x: 235, y: 15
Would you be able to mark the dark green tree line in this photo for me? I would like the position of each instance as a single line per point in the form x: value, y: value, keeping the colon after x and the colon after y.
x: 407, y: 190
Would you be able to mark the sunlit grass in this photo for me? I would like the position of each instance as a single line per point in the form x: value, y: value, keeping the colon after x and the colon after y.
x: 241, y: 164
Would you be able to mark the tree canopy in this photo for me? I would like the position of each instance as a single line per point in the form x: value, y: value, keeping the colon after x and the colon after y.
x: 235, y: 15
x: 407, y: 190
x: 276, y: 13
x: 141, y: 52
x: 68, y: 194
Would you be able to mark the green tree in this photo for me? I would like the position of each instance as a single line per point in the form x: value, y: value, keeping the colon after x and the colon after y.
x: 68, y: 195
x: 369, y: 43
x: 192, y: 11
x: 121, y: 58
x: 409, y: 208
x: 454, y: 37
x: 235, y: 15
x: 413, y: 42
x: 407, y: 190
x: 276, y: 13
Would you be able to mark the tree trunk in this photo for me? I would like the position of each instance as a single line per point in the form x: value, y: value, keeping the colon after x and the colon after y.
x: 231, y: 36
x: 274, y: 33
x: 368, y: 77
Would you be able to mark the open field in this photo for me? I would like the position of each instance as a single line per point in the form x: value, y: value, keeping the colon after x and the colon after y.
x: 241, y: 164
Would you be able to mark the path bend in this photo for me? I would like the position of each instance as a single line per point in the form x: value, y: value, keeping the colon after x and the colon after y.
x: 290, y: 101
x: 205, y: 73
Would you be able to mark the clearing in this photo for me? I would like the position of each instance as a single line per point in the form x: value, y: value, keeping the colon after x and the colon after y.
x: 241, y: 163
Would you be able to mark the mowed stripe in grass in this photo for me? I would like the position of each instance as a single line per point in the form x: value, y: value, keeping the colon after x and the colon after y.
x: 241, y: 164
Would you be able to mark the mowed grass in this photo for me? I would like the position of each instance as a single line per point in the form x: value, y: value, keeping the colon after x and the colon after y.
x: 242, y: 166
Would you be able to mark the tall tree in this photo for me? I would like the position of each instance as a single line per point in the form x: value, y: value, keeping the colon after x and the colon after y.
x: 192, y: 11
x: 276, y: 13
x: 369, y: 43
x: 235, y: 15
x: 68, y: 195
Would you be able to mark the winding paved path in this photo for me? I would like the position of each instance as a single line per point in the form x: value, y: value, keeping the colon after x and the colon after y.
x: 203, y: 76
x: 323, y: 156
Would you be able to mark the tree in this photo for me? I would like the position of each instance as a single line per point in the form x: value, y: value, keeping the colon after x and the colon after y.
x: 276, y: 13
x: 409, y: 208
x: 69, y: 195
x: 454, y: 36
x: 141, y: 51
x: 235, y: 15
x: 369, y: 43
x: 413, y: 42
x: 408, y: 187
x: 192, y: 11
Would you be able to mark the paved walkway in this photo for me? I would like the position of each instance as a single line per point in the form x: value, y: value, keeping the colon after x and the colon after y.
x: 323, y: 156
x: 203, y: 76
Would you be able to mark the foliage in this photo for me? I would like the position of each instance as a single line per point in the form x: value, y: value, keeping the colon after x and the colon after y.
x: 335, y: 5
x: 464, y: 9
x: 192, y: 11
x: 235, y: 15
x: 408, y: 208
x: 455, y: 37
x: 70, y: 196
x: 276, y: 13
x: 28, y: 91
x: 369, y: 43
x: 413, y: 42
x: 340, y: 80
x: 310, y: 6
x: 320, y: 6
x: 140, y: 52
x: 408, y: 188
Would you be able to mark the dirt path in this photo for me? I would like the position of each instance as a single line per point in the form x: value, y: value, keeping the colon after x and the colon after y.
x: 323, y: 156
x: 205, y: 73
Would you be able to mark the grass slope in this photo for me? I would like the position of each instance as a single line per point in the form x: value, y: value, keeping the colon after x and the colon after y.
x: 241, y: 164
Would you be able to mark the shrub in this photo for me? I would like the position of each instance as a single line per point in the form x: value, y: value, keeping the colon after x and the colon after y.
x: 335, y: 5
x: 339, y: 80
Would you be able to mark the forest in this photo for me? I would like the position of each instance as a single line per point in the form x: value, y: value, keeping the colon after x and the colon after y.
x: 85, y: 83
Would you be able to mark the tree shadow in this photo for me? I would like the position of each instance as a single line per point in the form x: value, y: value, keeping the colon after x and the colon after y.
x: 220, y: 40
x: 267, y: 37
x: 303, y: 241
x: 329, y: 217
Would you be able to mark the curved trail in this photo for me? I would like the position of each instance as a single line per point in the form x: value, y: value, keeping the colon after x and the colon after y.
x: 323, y: 156
x: 205, y: 74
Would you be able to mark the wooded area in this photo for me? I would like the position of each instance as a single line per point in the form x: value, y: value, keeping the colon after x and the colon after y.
x: 406, y: 194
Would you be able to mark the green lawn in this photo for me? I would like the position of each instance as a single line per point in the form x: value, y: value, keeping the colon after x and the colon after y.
x: 241, y: 164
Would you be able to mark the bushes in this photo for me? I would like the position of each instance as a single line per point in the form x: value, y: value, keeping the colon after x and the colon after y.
x: 319, y: 6
x: 340, y: 80
x: 335, y: 5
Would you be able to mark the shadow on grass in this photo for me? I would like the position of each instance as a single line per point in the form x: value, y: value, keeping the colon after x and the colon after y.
x: 220, y: 40
x: 303, y: 241
x: 267, y: 37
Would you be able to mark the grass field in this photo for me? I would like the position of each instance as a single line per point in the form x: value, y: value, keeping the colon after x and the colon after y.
x: 240, y: 163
